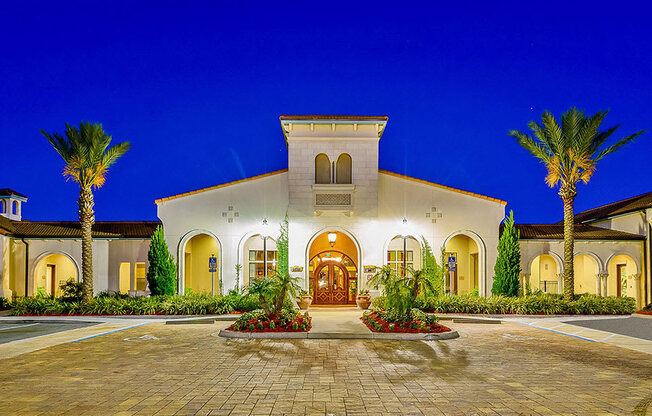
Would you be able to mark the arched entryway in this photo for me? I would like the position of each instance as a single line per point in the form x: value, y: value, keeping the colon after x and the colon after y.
x: 195, y: 250
x: 544, y: 274
x: 333, y: 269
x: 621, y: 282
x: 51, y: 270
x: 465, y: 275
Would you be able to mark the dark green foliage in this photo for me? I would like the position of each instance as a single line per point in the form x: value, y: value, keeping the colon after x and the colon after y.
x: 282, y: 244
x: 116, y: 304
x: 508, y: 264
x: 4, y: 304
x: 433, y: 272
x: 546, y: 304
x: 648, y: 308
x: 162, y: 272
x: 273, y: 292
x: 72, y: 291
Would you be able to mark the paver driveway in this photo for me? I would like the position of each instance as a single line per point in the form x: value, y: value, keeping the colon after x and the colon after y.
x: 184, y: 369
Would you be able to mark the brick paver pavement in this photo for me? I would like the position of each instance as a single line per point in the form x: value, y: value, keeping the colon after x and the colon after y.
x: 186, y: 369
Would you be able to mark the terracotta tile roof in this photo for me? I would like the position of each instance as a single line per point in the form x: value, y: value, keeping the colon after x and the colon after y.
x: 72, y: 229
x: 11, y: 192
x: 582, y: 232
x: 332, y: 117
x: 398, y: 175
x: 636, y: 203
x: 6, y: 225
x: 223, y: 185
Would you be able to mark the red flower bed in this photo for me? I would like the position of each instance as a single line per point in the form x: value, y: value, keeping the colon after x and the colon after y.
x: 644, y: 312
x: 376, y: 323
x: 250, y: 322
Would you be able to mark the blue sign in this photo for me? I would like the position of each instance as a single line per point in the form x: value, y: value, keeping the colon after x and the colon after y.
x: 212, y: 263
x: 452, y: 264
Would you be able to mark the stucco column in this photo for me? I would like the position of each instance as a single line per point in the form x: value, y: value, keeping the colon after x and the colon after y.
x: 605, y: 277
x: 637, y: 278
x: 598, y: 279
x: 526, y: 283
x: 560, y: 283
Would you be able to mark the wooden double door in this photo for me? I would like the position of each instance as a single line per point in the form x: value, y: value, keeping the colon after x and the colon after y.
x: 331, y: 284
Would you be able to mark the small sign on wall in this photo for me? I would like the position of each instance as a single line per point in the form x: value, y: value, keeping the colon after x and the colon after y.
x: 296, y: 269
x: 370, y: 269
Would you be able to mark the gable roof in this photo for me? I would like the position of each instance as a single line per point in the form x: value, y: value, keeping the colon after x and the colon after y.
x: 582, y: 232
x: 449, y: 188
x: 72, y: 229
x: 223, y: 185
x: 11, y: 192
x: 633, y: 204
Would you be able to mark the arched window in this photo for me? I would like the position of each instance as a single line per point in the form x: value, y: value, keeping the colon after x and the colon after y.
x: 3, y: 206
x: 344, y: 168
x: 14, y: 208
x: 322, y: 169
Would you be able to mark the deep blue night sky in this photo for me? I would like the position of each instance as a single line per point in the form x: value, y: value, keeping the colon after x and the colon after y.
x: 197, y: 90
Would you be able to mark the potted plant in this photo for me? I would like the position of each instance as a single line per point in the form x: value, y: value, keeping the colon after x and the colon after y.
x: 363, y: 300
x: 304, y: 300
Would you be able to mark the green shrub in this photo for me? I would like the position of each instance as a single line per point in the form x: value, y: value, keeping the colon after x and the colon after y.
x: 380, y: 302
x: 546, y: 304
x: 4, y: 304
x: 162, y: 271
x: 116, y: 304
x: 71, y: 290
x: 648, y: 308
x: 508, y: 263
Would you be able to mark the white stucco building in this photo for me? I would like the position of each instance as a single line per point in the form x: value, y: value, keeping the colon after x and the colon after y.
x: 345, y: 216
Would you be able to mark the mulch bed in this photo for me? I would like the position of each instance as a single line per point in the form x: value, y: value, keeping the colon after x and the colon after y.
x: 644, y: 312
x: 400, y: 327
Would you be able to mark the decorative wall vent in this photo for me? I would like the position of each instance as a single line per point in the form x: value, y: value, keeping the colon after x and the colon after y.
x: 327, y: 200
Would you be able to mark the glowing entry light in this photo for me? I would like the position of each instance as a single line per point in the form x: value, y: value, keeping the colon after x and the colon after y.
x: 331, y: 238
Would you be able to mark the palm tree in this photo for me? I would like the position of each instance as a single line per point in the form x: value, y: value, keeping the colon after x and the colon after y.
x: 87, y: 155
x: 570, y: 153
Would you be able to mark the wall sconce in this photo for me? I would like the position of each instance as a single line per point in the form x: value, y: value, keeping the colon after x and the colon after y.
x: 331, y: 238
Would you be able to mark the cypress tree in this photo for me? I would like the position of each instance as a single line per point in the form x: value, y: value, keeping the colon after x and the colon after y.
x: 282, y: 245
x: 508, y: 264
x: 162, y: 272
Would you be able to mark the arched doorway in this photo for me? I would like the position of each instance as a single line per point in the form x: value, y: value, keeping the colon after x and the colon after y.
x: 621, y: 268
x: 52, y: 270
x: 464, y: 275
x: 196, y: 250
x: 333, y: 269
x: 586, y: 269
x: 545, y: 271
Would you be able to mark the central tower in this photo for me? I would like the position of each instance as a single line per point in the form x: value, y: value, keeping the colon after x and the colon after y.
x: 333, y: 163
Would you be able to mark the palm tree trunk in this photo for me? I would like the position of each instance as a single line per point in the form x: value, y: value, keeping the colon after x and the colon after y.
x: 568, y: 196
x: 87, y: 219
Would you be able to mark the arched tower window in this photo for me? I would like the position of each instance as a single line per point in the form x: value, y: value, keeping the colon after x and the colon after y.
x: 3, y: 206
x: 14, y: 208
x: 344, y: 168
x: 322, y: 169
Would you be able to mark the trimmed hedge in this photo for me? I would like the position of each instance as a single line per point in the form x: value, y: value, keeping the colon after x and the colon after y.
x: 195, y: 304
x: 546, y: 304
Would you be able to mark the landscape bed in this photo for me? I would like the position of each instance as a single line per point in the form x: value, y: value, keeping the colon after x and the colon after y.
x: 289, y: 320
x: 537, y: 304
x: 416, y: 322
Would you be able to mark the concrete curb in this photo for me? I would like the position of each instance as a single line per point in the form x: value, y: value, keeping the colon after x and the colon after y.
x: 225, y: 333
x: 641, y: 315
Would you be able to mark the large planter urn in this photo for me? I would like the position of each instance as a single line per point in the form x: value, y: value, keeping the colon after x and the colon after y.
x: 303, y: 302
x: 363, y: 301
